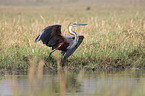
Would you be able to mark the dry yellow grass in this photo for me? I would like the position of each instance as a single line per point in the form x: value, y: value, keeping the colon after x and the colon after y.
x: 114, y: 37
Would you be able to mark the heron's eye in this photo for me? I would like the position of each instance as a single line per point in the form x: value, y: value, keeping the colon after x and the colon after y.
x: 74, y: 24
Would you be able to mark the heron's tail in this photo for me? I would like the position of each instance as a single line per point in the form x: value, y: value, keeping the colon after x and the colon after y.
x: 37, y: 39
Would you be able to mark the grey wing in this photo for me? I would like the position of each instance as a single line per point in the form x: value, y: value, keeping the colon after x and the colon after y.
x: 70, y: 39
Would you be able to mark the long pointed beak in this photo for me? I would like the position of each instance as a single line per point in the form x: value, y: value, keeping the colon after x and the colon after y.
x: 81, y: 24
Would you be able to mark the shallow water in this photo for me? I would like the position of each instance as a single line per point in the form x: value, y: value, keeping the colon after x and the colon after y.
x: 77, y: 83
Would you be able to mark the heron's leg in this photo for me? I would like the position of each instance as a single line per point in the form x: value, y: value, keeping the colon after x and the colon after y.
x: 50, y: 55
x: 62, y: 56
x: 63, y: 60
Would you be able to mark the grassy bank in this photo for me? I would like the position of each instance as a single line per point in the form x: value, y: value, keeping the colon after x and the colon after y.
x: 114, y: 37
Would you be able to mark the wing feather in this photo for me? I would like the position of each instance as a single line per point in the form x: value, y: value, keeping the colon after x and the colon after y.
x: 52, y: 37
x: 71, y: 51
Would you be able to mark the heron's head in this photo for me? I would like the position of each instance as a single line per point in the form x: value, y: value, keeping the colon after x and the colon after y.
x: 77, y: 24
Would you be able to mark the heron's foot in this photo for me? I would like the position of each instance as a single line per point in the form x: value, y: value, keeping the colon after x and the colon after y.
x: 63, y: 61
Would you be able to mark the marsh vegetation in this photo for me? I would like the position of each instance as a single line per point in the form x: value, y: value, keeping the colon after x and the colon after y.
x: 114, y: 37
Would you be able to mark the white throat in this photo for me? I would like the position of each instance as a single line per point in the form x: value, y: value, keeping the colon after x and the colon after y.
x: 75, y: 41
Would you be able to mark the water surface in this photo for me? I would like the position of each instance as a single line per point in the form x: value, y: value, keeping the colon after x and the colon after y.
x: 73, y: 83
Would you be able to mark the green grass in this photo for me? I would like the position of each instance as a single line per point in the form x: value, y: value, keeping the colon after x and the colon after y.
x: 114, y: 37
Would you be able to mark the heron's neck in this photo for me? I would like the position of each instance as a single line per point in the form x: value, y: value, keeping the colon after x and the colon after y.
x: 73, y: 33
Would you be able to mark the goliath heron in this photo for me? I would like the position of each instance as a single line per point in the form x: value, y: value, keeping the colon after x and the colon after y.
x: 52, y: 37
